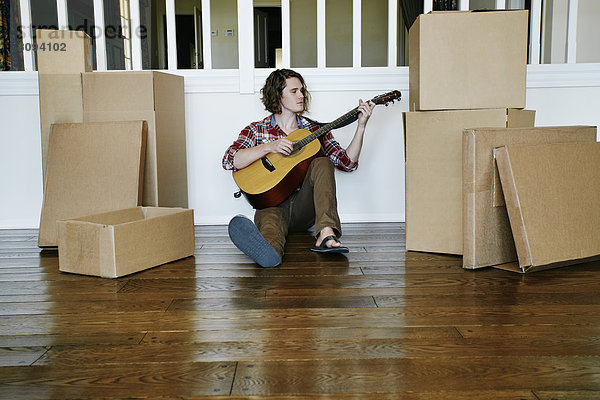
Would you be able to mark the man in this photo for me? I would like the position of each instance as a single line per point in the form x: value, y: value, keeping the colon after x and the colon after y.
x: 314, y: 203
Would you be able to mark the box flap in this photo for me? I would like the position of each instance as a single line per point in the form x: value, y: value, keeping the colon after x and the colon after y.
x: 92, y: 168
x: 552, y: 200
x: 116, y: 217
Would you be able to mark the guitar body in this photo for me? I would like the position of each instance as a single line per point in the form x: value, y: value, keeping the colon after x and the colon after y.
x: 266, y: 186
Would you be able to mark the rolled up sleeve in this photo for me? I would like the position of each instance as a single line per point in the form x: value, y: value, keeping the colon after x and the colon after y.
x: 337, y: 154
x: 245, y: 140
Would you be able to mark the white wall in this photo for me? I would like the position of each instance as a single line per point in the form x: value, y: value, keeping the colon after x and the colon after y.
x: 216, y: 112
x: 20, y: 161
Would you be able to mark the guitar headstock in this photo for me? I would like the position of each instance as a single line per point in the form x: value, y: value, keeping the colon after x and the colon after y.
x: 387, y: 98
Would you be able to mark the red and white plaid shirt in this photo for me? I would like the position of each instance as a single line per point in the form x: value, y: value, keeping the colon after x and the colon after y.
x: 267, y: 130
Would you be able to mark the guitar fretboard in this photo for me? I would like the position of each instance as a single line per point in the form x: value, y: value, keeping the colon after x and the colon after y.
x: 326, y: 128
x: 346, y: 118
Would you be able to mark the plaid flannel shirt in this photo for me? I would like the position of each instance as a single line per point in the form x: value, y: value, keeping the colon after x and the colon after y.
x: 267, y: 130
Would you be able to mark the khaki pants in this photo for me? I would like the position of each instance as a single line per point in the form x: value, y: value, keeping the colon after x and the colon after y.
x: 314, y: 204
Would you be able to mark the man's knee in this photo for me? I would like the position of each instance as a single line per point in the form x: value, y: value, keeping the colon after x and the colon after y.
x: 322, y: 163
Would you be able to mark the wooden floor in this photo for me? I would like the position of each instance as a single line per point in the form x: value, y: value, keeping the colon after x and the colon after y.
x: 378, y: 323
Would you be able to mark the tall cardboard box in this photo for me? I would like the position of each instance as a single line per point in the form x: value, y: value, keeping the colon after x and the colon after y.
x: 92, y: 168
x: 552, y: 195
x: 433, y: 173
x: 157, y: 98
x: 466, y: 60
x: 61, y: 58
x: 488, y: 240
x: 125, y: 241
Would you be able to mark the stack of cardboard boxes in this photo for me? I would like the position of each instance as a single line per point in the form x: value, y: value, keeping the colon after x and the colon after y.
x: 467, y: 94
x: 111, y: 142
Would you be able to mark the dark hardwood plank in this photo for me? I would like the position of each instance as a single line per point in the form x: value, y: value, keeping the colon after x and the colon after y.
x: 90, y: 339
x: 266, y: 303
x: 248, y: 271
x: 567, y: 395
x: 300, y: 334
x: 531, y: 331
x: 82, y: 307
x: 422, y: 375
x: 458, y: 299
x: 165, y: 295
x: 327, y: 349
x: 445, y: 282
x: 123, y: 381
x: 455, y: 395
x: 289, y: 318
x: 86, y: 284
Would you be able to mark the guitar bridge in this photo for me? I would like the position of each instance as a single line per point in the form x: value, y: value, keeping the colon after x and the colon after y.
x: 267, y: 164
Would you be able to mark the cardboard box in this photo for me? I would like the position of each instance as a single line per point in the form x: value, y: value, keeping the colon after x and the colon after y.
x: 122, y: 242
x: 433, y: 173
x: 552, y: 195
x: 61, y: 56
x: 488, y: 239
x: 92, y: 168
x: 159, y: 99
x: 63, y: 52
x: 466, y: 60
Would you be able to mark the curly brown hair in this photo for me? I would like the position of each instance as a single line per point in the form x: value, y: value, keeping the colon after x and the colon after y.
x: 273, y: 89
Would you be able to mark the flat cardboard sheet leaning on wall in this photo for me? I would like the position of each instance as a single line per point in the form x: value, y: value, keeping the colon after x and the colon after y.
x: 92, y: 168
x: 488, y: 239
x: 552, y: 194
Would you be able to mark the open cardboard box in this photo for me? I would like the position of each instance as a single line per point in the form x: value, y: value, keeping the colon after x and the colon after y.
x: 125, y: 241
x: 552, y: 194
x: 433, y: 173
x: 466, y: 60
x: 488, y: 239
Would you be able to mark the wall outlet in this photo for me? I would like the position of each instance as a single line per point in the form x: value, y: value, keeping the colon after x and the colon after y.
x: 228, y: 32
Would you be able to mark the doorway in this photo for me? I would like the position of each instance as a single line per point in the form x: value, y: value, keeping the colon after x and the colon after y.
x: 267, y: 36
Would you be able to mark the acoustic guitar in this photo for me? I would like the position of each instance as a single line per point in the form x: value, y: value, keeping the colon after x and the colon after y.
x: 267, y: 182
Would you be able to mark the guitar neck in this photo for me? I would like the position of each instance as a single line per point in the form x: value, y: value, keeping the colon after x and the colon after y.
x: 326, y: 128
